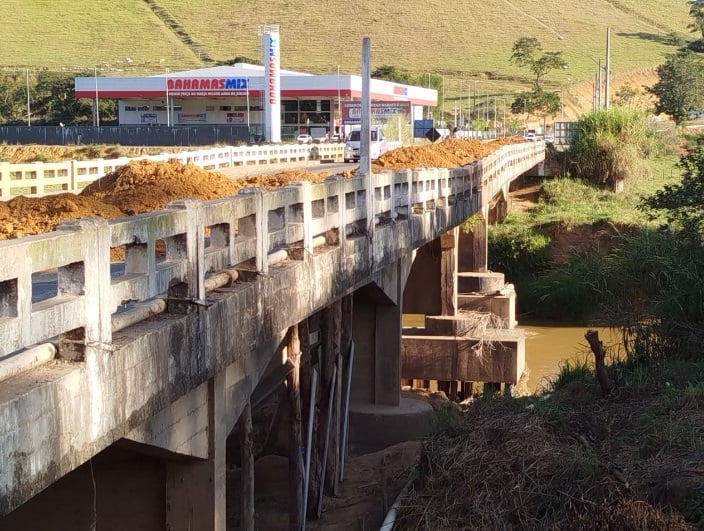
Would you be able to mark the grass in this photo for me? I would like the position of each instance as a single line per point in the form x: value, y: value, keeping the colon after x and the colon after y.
x: 446, y: 37
x: 569, y: 201
x: 582, y: 246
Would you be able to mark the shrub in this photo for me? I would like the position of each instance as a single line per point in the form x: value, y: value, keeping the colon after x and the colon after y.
x: 611, y: 145
x: 517, y: 251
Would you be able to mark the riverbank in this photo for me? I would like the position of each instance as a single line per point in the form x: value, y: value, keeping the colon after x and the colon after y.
x: 579, y: 456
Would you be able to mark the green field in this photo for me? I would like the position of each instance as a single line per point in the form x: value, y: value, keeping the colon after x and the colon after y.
x: 468, y: 41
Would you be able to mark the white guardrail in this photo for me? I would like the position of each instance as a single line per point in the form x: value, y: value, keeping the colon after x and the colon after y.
x: 39, y: 178
x: 202, y: 237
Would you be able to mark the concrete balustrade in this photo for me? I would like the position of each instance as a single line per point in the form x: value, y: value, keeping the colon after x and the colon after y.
x: 40, y: 178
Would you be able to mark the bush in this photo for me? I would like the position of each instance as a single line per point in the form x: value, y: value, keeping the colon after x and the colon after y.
x: 611, y: 145
x: 517, y: 251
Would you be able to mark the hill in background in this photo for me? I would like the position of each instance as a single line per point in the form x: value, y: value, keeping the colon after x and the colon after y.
x: 467, y: 41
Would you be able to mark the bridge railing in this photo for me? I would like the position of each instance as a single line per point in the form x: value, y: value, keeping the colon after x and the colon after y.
x: 39, y: 178
x: 170, y: 253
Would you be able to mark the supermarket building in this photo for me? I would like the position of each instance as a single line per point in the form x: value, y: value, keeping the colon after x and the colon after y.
x: 235, y: 95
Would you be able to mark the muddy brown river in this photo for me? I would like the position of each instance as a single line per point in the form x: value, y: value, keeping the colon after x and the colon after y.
x: 548, y: 345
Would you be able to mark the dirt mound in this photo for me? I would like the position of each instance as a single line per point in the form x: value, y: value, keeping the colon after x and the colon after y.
x: 24, y: 216
x: 450, y: 153
x: 144, y: 186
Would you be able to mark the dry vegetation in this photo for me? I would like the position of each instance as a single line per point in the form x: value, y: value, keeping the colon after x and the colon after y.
x: 569, y: 462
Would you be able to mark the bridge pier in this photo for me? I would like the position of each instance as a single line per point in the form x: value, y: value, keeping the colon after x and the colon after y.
x: 456, y: 345
x: 195, y: 488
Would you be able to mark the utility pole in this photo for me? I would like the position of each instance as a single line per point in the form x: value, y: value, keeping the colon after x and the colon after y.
x: 598, y: 84
x: 29, y: 113
x: 606, y: 69
x: 97, y: 106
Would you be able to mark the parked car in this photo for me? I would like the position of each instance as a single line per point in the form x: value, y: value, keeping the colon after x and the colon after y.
x: 304, y: 139
x: 377, y: 144
x: 530, y: 137
x: 337, y: 138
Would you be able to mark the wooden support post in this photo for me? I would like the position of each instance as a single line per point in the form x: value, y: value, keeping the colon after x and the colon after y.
x: 444, y: 386
x: 345, y: 371
x: 333, y: 467
x: 448, y: 272
x: 247, y: 479
x: 467, y: 390
x: 295, y: 457
x: 491, y: 388
x: 309, y: 444
x: 328, y: 429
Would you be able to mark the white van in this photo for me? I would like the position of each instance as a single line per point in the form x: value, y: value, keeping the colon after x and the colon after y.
x: 377, y: 145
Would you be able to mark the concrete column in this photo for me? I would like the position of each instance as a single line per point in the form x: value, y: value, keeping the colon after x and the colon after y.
x: 195, y: 490
x: 258, y: 226
x: 192, y: 248
x: 305, y: 216
x: 387, y: 369
x: 376, y: 377
x: 473, y: 245
x: 448, y: 272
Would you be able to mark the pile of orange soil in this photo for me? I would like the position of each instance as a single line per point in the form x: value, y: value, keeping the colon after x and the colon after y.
x: 450, y: 153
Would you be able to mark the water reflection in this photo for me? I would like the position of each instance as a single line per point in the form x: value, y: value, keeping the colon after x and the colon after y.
x: 549, y: 344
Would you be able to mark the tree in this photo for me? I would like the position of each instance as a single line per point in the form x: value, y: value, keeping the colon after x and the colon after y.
x: 682, y: 204
x: 630, y: 97
x: 391, y: 73
x: 537, y: 102
x: 13, y: 98
x: 696, y: 11
x: 681, y: 85
x: 527, y: 52
x: 56, y: 101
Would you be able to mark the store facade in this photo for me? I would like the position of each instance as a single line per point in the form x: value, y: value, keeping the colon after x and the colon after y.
x: 234, y: 95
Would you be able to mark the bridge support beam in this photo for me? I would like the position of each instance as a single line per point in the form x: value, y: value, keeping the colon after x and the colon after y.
x: 473, y: 245
x: 195, y: 489
x: 377, y: 336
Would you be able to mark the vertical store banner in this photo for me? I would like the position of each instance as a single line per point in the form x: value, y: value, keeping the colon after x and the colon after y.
x: 272, y: 81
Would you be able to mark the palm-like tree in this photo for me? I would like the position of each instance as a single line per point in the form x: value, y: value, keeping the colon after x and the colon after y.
x: 696, y: 11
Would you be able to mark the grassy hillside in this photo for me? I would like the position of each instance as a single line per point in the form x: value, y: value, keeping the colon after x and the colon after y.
x: 466, y: 40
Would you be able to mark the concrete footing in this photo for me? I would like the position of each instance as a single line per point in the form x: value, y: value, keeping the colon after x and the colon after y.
x: 374, y: 427
x: 479, y: 282
x: 497, y: 357
x: 501, y: 305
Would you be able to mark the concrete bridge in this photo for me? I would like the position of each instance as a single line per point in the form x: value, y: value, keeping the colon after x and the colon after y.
x: 121, y: 388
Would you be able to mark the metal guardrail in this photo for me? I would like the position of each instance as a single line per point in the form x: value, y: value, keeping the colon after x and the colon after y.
x: 207, y: 236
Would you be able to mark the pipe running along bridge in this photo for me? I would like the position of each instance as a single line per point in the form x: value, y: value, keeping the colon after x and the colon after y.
x: 126, y: 391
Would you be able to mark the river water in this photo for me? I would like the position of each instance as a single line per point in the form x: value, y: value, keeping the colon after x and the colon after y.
x: 548, y: 345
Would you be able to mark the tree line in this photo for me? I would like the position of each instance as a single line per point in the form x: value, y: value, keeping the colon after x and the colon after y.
x: 48, y: 98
